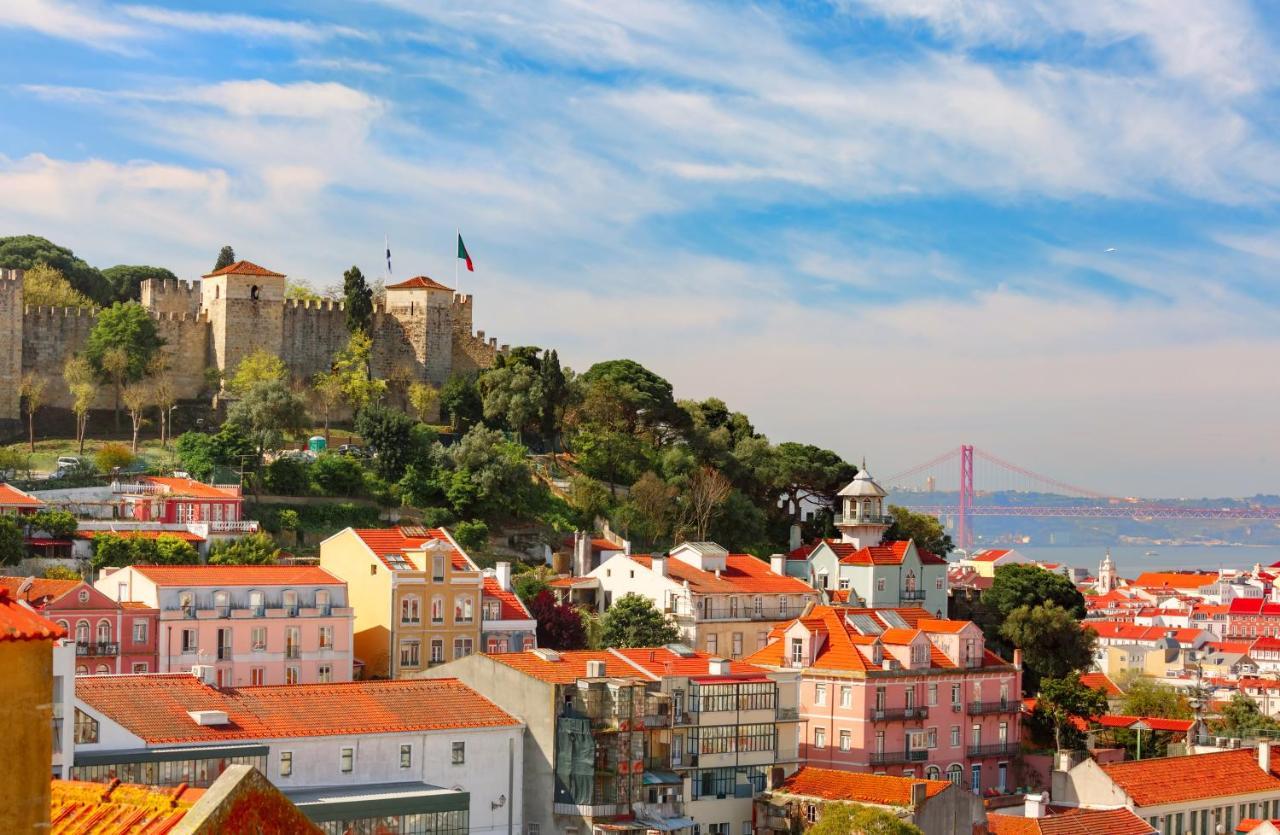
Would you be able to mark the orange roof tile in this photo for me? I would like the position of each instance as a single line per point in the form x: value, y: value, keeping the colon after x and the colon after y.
x: 11, y: 496
x: 660, y: 661
x: 743, y: 574
x: 945, y: 626
x: 832, y: 784
x: 419, y: 282
x: 80, y: 808
x: 384, y: 541
x: 1164, y: 780
x: 19, y: 623
x: 244, y: 268
x: 886, y: 553
x: 237, y: 575
x: 1073, y: 821
x: 154, y: 707
x: 191, y: 487
x: 990, y: 555
x: 511, y: 607
x: 1100, y: 681
x: 571, y: 666
x: 1174, y: 580
x: 41, y: 592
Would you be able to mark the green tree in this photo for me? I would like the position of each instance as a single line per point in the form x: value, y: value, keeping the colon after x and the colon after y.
x: 1145, y: 697
x: 486, y: 476
x: 590, y: 499
x: 196, y: 453
x: 302, y: 292
x: 170, y: 550
x: 512, y: 397
x: 12, y: 547
x: 390, y: 433
x: 740, y: 526
x: 44, y: 286
x: 807, y: 474
x: 59, y: 524
x: 327, y: 392
x: 615, y: 457
x: 644, y: 399
x: 267, y: 414
x: 1066, y: 698
x: 226, y: 257
x: 113, y: 455
x: 82, y: 382
x: 359, y: 300
x: 531, y: 582
x: 352, y: 367
x: 1242, y: 719
x: 125, y: 280
x: 424, y: 398
x: 1053, y: 642
x: 1023, y: 585
x: 925, y: 530
x: 634, y: 621
x: 292, y: 522
x: 26, y: 251
x: 61, y: 572
x: 473, y: 536
x: 460, y: 402
x: 649, y: 510
x: 287, y: 476
x: 337, y: 475
x: 121, y: 345
x: 31, y: 391
x: 259, y: 367
x: 846, y: 818
x: 556, y: 392
x: 254, y: 549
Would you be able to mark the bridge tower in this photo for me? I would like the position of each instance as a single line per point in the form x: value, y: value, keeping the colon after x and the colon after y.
x: 964, y: 518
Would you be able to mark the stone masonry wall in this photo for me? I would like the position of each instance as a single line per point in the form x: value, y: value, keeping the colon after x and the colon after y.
x: 312, y: 333
x: 169, y: 296
x: 10, y: 343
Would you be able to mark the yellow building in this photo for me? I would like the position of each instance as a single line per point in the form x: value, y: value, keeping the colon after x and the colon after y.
x: 26, y: 711
x: 416, y: 596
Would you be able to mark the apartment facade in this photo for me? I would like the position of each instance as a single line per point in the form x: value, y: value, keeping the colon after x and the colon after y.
x: 505, y: 622
x: 895, y: 691
x: 109, y: 637
x: 365, y: 756
x: 179, y: 500
x: 252, y: 624
x: 724, y: 604
x: 417, y: 596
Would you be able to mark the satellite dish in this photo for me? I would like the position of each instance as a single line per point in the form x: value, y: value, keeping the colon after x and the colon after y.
x: 25, y: 586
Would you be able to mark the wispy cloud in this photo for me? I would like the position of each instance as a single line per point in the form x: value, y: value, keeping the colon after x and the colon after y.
x: 86, y: 23
x: 240, y: 25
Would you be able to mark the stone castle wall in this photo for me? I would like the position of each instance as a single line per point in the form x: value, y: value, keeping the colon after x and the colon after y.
x: 169, y: 296
x: 10, y: 342
x: 312, y: 333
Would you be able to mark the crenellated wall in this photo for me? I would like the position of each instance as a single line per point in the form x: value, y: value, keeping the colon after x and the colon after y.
x: 171, y: 296
x: 51, y: 336
x: 312, y: 332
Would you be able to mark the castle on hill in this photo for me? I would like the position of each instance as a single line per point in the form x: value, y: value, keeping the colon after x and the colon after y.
x: 421, y: 332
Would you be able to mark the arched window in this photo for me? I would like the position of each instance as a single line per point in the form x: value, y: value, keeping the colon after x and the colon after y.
x: 955, y: 773
x: 82, y: 670
x: 866, y: 508
x: 911, y: 581
x: 82, y: 632
x: 254, y: 292
x: 104, y: 631
x: 66, y: 627
x: 410, y: 611
x: 933, y: 773
x: 102, y: 668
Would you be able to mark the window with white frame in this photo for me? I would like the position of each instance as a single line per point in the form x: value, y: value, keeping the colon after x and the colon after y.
x: 797, y: 651
x: 437, y: 650
x: 189, y: 641
x: 257, y: 676
x: 406, y: 756
x: 846, y: 696
x: 258, y: 638
x: 326, y: 637
x: 104, y: 632
x: 347, y: 761
x: 819, y: 737
x: 410, y: 609
x: 459, y: 753
x: 324, y: 673
x: 879, y: 584
x: 139, y: 631
x: 410, y: 653
x: 845, y: 740
x: 462, y: 647
x: 437, y: 609
x: 286, y: 763
x: 955, y: 736
x: 820, y: 694
x: 291, y: 675
x: 462, y: 609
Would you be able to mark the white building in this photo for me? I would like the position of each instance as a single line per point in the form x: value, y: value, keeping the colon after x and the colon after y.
x: 344, y: 753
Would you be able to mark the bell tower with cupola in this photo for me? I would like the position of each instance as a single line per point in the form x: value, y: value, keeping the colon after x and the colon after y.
x: 862, y: 521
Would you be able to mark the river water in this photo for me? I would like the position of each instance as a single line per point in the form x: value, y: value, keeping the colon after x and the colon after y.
x: 1132, y: 560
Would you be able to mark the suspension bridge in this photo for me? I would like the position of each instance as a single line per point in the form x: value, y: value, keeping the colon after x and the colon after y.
x: 1024, y: 492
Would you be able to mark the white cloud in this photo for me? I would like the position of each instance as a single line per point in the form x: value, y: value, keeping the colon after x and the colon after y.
x: 239, y: 25
x: 85, y: 23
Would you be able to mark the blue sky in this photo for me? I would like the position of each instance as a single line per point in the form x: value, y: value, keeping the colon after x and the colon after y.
x: 1046, y: 227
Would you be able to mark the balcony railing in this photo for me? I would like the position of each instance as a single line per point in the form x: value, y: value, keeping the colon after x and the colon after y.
x: 242, y: 526
x: 864, y: 519
x: 703, y: 613
x: 896, y: 714
x: 983, y: 708
x: 911, y: 594
x: 98, y: 648
x: 293, y: 652
x: 999, y: 749
x: 224, y: 653
x: 891, y: 757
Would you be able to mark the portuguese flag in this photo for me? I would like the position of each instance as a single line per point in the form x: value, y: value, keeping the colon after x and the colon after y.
x: 464, y: 255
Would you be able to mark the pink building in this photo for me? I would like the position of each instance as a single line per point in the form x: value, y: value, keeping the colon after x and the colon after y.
x: 110, y: 637
x: 896, y: 691
x: 174, y: 500
x: 255, y: 624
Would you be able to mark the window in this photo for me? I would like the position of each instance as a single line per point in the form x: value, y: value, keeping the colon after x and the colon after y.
x: 880, y: 697
x: 322, y: 601
x: 286, y: 763
x: 290, y: 675
x: 762, y: 639
x: 348, y: 760
x: 819, y: 737
x: 939, y: 583
x: 326, y: 637
x: 737, y: 645
x: 187, y: 603
x: 459, y: 753
x: 437, y: 610
x: 879, y: 584
x: 845, y: 741
x: 257, y: 676
x: 373, y: 568
x: 406, y: 756
x: 104, y: 632
x: 975, y: 735
x: 86, y: 731
x: 462, y: 610
x: 811, y: 812
x: 879, y: 742
x: 139, y: 631
x: 82, y: 632
x: 955, y: 773
x: 258, y: 603
x: 437, y: 651
x: 955, y: 736
x: 324, y: 673
x: 437, y: 569
x: 495, y: 645
x: 259, y: 637
x: 530, y: 642
x: 931, y: 738
x: 293, y: 642
x: 713, y: 642
x: 533, y: 829
x: 846, y: 696
x: 491, y: 610
x: 291, y: 602
x: 976, y: 784
x: 140, y: 667
x: 933, y: 773
x: 784, y: 603
x: 409, y: 654
x: 844, y: 583
x: 1003, y: 733
x: 955, y: 695
x: 797, y: 651
x: 188, y: 641
x: 222, y: 602
x: 462, y: 647
x: 820, y: 694
x: 409, y: 609
x: 102, y: 668
x: 933, y: 695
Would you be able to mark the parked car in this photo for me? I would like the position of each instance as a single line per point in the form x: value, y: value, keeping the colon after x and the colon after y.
x: 353, y: 450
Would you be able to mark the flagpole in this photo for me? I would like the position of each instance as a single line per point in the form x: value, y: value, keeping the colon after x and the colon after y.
x: 457, y: 284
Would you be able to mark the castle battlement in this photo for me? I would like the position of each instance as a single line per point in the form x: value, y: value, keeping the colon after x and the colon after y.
x: 330, y: 305
x: 12, y: 273
x: 47, y: 312
x: 168, y: 286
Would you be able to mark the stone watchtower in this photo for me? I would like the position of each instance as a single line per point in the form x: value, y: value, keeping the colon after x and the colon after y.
x: 424, y: 309
x: 11, y: 309
x: 245, y: 305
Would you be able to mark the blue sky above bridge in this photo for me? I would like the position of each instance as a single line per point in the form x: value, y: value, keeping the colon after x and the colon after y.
x: 887, y: 226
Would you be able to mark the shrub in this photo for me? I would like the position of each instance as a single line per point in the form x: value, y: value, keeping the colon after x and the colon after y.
x: 472, y: 536
x: 59, y: 524
x: 255, y: 549
x: 287, y: 476
x: 337, y: 475
x: 113, y: 455
x: 61, y: 572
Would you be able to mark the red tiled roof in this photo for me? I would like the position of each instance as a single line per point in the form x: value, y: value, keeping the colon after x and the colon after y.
x: 11, y: 496
x: 1100, y: 681
x: 237, y: 575
x: 1155, y: 723
x: 512, y: 608
x: 244, y: 268
x: 185, y: 536
x: 1073, y: 821
x: 832, y: 784
x: 1164, y: 780
x: 743, y: 574
x: 570, y: 582
x: 660, y: 661
x: 80, y: 808
x: 419, y: 282
x: 191, y: 487
x: 383, y: 541
x: 18, y: 623
x: 1250, y: 824
x: 989, y: 555
x: 571, y: 666
x: 154, y: 707
x: 1253, y: 606
x: 41, y: 592
x: 1174, y: 580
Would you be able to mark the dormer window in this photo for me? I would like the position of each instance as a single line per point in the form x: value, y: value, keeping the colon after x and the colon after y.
x: 797, y: 652
x: 187, y: 603
x: 257, y: 603
x: 222, y: 602
x: 291, y: 602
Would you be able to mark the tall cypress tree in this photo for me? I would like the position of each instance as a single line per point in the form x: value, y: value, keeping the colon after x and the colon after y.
x: 226, y: 257
x: 359, y: 300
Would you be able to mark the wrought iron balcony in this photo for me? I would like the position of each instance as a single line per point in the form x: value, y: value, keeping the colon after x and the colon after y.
x: 892, y: 757
x: 863, y: 519
x: 911, y: 594
x: 293, y: 651
x: 984, y: 708
x: 897, y: 714
x: 98, y: 648
x: 999, y: 749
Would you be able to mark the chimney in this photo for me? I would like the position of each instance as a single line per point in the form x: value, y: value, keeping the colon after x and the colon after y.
x: 1264, y: 755
x: 659, y: 564
x: 794, y: 541
x: 1034, y: 807
x: 596, y: 669
x: 718, y: 667
x: 918, y: 794
x: 502, y: 573
x: 778, y: 564
x: 1017, y: 659
x: 777, y: 776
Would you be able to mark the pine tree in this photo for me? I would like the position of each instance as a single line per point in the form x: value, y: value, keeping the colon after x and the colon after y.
x: 359, y: 300
x: 226, y: 257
